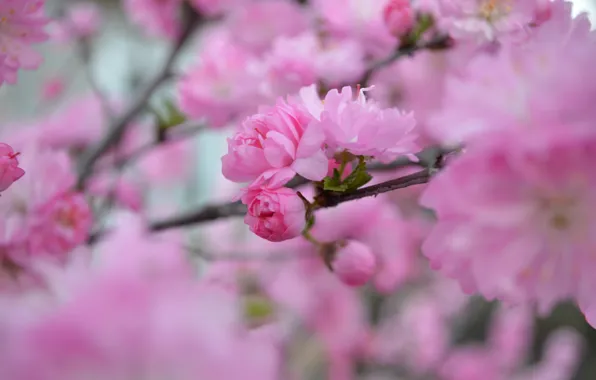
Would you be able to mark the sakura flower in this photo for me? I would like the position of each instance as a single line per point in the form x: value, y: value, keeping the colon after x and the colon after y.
x: 514, y: 220
x: 9, y: 167
x: 398, y: 16
x: 359, y: 20
x: 279, y: 140
x: 82, y: 20
x: 256, y: 25
x: 224, y: 86
x: 22, y: 24
x: 354, y: 263
x: 156, y: 17
x: 361, y: 127
x: 274, y: 213
x: 486, y: 20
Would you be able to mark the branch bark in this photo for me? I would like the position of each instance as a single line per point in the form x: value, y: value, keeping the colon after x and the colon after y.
x: 119, y: 126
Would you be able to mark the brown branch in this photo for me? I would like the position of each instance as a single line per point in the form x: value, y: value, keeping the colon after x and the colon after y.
x: 119, y: 126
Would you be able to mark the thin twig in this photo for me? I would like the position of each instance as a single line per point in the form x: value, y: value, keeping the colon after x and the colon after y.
x: 119, y: 126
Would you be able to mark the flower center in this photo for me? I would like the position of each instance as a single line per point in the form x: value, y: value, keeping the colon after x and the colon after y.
x: 492, y: 9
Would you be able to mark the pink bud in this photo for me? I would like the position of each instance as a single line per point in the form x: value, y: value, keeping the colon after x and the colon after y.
x: 354, y: 264
x: 398, y: 16
x: 9, y: 166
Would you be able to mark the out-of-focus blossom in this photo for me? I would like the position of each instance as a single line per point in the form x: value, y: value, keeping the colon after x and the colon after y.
x: 9, y: 166
x: 514, y: 220
x: 399, y: 17
x: 354, y: 264
x: 53, y: 89
x: 256, y: 25
x: 22, y: 24
x: 224, y: 86
x: 137, y: 311
x: 42, y: 218
x: 360, y: 127
x: 82, y: 20
x: 340, y: 61
x: 274, y: 213
x: 548, y: 79
x: 157, y: 17
x: 280, y: 141
x: 217, y: 7
x: 361, y: 20
x: 125, y: 192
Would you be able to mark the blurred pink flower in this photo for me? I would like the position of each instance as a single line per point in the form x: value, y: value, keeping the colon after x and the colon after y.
x: 9, y: 167
x: 354, y: 264
x: 53, y: 89
x: 362, y: 128
x: 126, y: 192
x: 217, y: 7
x: 359, y: 20
x: 22, y: 24
x: 82, y: 20
x: 224, y: 86
x: 399, y: 17
x: 156, y: 17
x: 274, y: 213
x: 257, y: 24
x: 281, y: 140
x: 514, y: 220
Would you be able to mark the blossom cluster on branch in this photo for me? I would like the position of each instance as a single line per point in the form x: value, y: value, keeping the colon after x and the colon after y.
x: 392, y: 159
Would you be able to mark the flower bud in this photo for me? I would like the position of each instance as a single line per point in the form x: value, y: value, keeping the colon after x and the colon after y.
x: 399, y: 17
x: 354, y: 263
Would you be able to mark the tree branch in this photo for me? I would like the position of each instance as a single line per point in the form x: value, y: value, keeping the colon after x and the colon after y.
x: 119, y: 126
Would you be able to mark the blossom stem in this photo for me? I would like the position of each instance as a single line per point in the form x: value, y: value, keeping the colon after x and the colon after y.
x: 119, y: 126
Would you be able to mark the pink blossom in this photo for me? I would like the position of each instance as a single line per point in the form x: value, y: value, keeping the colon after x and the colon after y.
x: 279, y: 140
x: 224, y: 86
x: 340, y: 61
x: 274, y: 213
x: 156, y: 17
x: 546, y: 80
x: 82, y: 20
x: 9, y: 167
x: 399, y: 17
x: 256, y: 25
x: 217, y: 7
x: 22, y: 24
x: 486, y: 20
x: 125, y: 192
x: 354, y: 263
x: 359, y: 20
x: 361, y: 127
x: 53, y: 89
x: 514, y: 220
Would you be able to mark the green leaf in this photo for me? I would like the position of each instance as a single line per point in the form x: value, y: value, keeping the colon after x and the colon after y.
x: 334, y: 183
x: 169, y: 115
x: 358, y: 177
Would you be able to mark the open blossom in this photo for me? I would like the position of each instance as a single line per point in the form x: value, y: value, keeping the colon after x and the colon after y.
x: 224, y: 86
x: 42, y: 219
x: 256, y: 25
x: 279, y: 140
x: 22, y: 24
x: 82, y: 20
x: 486, y: 20
x: 514, y: 219
x: 549, y: 79
x: 9, y: 166
x: 354, y: 264
x: 352, y: 123
x: 274, y: 213
x: 156, y: 17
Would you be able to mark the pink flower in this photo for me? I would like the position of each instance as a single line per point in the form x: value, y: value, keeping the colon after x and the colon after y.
x: 514, y: 220
x: 340, y: 61
x: 9, y: 167
x: 82, y: 20
x: 53, y: 89
x: 279, y: 140
x: 359, y: 20
x: 354, y: 264
x: 256, y: 25
x: 399, y: 17
x: 22, y: 24
x: 60, y: 225
x: 224, y: 86
x: 217, y: 7
x: 274, y: 213
x: 126, y: 193
x: 361, y: 127
x: 156, y: 17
